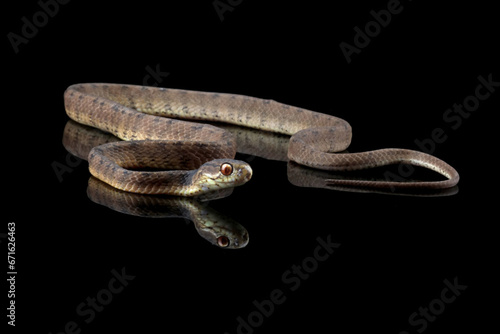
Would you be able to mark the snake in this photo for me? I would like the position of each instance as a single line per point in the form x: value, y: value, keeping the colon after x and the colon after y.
x: 167, y: 148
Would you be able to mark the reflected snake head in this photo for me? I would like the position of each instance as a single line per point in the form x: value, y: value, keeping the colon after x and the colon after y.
x: 222, y: 173
x: 217, y: 228
x: 221, y: 230
x: 225, y: 233
x: 233, y: 242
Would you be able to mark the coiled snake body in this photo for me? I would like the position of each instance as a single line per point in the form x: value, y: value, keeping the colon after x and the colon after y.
x: 195, y: 158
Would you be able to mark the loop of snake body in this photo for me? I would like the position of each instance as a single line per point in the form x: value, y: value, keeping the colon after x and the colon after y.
x: 195, y: 158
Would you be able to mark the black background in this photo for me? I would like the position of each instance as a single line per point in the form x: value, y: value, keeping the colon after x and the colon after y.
x: 395, y: 252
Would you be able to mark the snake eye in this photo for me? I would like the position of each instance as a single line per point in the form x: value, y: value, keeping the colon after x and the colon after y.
x: 223, y: 241
x: 226, y: 169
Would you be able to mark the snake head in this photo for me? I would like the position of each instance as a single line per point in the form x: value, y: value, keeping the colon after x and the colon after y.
x: 222, y: 173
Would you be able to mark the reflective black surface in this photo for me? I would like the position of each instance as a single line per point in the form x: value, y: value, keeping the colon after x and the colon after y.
x: 317, y: 259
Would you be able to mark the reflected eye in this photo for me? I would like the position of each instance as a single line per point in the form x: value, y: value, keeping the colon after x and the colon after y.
x: 223, y: 241
x: 226, y: 169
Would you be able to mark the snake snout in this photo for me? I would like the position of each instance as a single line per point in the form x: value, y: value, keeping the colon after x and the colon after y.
x: 245, y: 172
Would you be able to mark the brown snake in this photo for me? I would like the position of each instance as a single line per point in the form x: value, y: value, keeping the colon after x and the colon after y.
x: 199, y: 157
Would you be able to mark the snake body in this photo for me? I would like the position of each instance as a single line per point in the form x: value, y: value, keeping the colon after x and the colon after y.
x: 191, y: 155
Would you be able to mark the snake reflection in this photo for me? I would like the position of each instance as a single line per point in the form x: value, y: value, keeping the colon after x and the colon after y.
x: 210, y: 224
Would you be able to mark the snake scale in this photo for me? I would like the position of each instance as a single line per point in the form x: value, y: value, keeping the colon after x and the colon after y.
x: 167, y: 155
